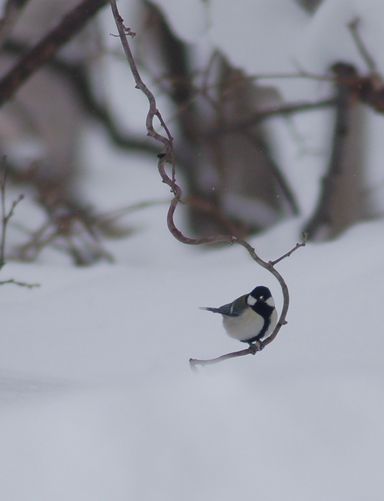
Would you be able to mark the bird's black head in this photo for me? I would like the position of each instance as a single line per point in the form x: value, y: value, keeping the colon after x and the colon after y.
x: 259, y: 296
x: 261, y: 293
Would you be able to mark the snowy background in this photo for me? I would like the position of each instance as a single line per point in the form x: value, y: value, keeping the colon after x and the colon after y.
x: 97, y: 399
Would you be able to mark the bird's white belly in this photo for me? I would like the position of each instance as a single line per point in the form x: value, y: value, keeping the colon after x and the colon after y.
x: 246, y: 326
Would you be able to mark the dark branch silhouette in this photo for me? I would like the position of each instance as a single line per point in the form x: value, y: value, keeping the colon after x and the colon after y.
x: 47, y: 47
x: 322, y: 213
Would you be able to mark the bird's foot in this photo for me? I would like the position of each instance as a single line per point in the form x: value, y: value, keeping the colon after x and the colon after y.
x: 255, y: 347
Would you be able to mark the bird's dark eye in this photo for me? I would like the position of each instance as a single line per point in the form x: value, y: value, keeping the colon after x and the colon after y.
x: 261, y: 298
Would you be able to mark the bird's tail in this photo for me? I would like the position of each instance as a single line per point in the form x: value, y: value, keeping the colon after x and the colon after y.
x: 207, y: 308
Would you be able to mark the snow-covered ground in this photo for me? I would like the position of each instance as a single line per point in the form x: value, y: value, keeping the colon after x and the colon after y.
x: 98, y: 401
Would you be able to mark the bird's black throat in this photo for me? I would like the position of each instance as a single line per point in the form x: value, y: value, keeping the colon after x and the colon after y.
x: 264, y: 310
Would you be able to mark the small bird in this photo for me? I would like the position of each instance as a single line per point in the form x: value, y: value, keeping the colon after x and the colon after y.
x: 249, y: 318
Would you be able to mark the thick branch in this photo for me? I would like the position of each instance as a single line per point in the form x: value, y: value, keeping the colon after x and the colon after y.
x: 48, y: 46
x: 12, y: 11
x: 77, y: 76
x: 322, y: 213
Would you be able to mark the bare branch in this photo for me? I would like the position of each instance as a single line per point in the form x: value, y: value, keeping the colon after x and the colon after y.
x: 321, y: 216
x: 301, y: 74
x: 278, y: 175
x: 77, y: 75
x: 12, y: 11
x: 261, y: 115
x: 73, y: 230
x: 366, y: 56
x: 290, y: 252
x: 5, y: 215
x: 18, y: 283
x: 194, y: 362
x: 153, y: 112
x: 48, y: 46
x: 167, y: 158
x: 252, y: 350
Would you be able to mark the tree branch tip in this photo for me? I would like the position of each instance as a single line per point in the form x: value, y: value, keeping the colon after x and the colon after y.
x: 26, y: 285
x: 193, y: 364
x: 353, y: 24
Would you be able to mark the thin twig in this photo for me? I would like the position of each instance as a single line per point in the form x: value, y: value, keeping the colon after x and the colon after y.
x: 300, y: 74
x: 5, y: 215
x: 124, y: 32
x: 361, y: 47
x: 274, y: 111
x: 194, y: 362
x: 20, y: 284
x: 287, y: 254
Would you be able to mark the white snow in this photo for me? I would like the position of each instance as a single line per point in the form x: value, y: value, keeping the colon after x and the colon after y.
x: 259, y: 37
x: 188, y: 18
x: 98, y: 401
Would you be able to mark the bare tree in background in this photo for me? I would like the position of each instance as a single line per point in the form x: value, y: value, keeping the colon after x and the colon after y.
x: 48, y: 61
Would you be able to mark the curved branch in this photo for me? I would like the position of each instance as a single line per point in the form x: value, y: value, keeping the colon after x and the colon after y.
x: 260, y: 345
x: 169, y: 179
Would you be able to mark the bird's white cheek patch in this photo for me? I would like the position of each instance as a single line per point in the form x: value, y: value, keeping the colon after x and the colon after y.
x: 251, y: 300
x: 270, y: 302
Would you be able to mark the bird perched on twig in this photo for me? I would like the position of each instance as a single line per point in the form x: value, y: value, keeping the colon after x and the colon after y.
x: 249, y: 318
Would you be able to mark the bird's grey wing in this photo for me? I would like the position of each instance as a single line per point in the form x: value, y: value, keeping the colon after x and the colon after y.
x: 234, y: 309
